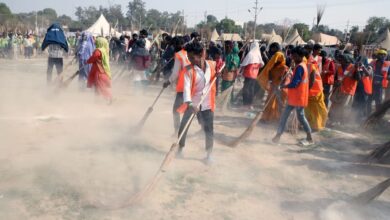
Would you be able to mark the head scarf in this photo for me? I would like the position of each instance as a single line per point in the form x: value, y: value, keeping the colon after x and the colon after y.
x: 102, y: 45
x: 86, y: 46
x: 254, y: 55
x: 232, y: 59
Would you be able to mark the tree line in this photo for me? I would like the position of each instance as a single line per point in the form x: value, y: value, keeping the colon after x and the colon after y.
x: 137, y: 16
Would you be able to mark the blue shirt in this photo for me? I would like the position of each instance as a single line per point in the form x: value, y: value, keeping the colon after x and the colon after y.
x: 297, y: 78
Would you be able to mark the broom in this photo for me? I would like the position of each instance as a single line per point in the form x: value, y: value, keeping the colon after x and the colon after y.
x: 148, y: 112
x: 379, y: 153
x: 167, y: 160
x: 257, y: 118
x: 368, y: 196
x: 377, y: 115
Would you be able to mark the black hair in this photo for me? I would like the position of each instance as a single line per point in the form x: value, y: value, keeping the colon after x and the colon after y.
x: 168, y: 38
x: 323, y: 54
x: 134, y: 35
x: 143, y: 32
x: 298, y: 51
x: 275, y: 45
x: 308, y: 47
x: 317, y: 47
x: 195, y: 48
x: 194, y: 35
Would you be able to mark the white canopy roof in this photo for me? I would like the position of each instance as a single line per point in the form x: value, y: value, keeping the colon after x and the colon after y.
x: 102, y: 28
x: 295, y: 39
x: 324, y: 39
x: 386, y: 42
x: 231, y: 37
x: 214, y: 36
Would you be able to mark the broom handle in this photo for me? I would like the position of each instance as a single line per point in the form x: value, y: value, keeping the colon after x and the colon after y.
x: 168, y: 156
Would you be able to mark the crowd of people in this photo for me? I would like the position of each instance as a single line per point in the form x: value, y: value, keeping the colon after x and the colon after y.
x: 18, y: 46
x: 323, y: 89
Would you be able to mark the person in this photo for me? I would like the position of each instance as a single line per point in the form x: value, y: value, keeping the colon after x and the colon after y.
x: 232, y: 61
x: 56, y: 42
x: 269, y: 79
x: 86, y: 46
x: 250, y: 67
x: 363, y: 88
x: 177, y: 76
x: 327, y: 75
x: 140, y: 60
x: 99, y: 77
x: 198, y: 78
x: 297, y: 96
x: 316, y: 111
x: 168, y: 57
x: 380, y: 78
x: 345, y: 88
x: 219, y: 63
x: 317, y: 48
x: 143, y: 34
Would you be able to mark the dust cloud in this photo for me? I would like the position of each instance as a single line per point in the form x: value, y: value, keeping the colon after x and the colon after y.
x: 63, y: 152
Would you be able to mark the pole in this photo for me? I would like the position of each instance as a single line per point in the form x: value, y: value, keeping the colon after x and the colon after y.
x: 254, y: 28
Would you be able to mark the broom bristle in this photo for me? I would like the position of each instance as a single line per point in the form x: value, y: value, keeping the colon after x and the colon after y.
x: 371, y: 194
x: 377, y: 115
x: 380, y: 153
x: 320, y: 13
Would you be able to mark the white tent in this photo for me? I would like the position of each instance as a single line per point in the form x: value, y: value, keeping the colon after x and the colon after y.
x: 271, y: 38
x: 214, y: 36
x: 102, y: 28
x: 231, y: 37
x: 325, y: 40
x: 295, y: 39
x: 386, y: 40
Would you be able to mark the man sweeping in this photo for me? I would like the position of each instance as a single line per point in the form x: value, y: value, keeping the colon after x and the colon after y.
x: 56, y: 41
x: 297, y: 96
x: 380, y: 79
x: 198, y: 78
x: 177, y: 76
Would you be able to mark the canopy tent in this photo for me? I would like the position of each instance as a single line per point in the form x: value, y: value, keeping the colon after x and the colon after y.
x: 385, y: 43
x: 271, y: 38
x: 295, y: 39
x: 231, y: 37
x: 325, y: 40
x: 102, y: 28
x: 214, y: 36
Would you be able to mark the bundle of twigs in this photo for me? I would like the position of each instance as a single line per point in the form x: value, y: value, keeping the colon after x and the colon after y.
x: 380, y: 153
x: 377, y: 115
x: 371, y: 194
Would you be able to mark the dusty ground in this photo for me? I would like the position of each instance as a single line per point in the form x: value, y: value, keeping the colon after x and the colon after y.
x: 60, y: 151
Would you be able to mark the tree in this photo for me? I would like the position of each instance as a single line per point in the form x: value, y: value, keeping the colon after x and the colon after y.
x: 303, y: 30
x: 5, y: 12
x: 64, y: 20
x: 227, y: 25
x: 136, y: 13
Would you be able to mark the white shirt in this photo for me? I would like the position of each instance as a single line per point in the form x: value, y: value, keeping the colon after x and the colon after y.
x: 177, y: 66
x: 202, y: 83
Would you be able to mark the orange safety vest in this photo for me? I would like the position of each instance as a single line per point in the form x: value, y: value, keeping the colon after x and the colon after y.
x: 367, y: 83
x: 385, y: 69
x: 317, y: 84
x: 183, y: 59
x: 328, y: 78
x: 348, y: 84
x: 213, y: 89
x: 299, y: 96
x: 252, y: 70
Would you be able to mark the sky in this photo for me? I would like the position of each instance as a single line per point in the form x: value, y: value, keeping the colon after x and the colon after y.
x: 337, y: 12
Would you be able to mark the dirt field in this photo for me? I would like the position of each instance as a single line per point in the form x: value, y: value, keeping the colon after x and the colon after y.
x: 63, y: 151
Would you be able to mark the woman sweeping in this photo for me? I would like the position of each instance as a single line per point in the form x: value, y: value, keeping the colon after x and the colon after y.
x: 100, y: 75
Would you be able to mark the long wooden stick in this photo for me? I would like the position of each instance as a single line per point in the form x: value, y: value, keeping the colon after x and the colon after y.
x: 254, y: 122
x: 138, y: 197
x: 148, y: 112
